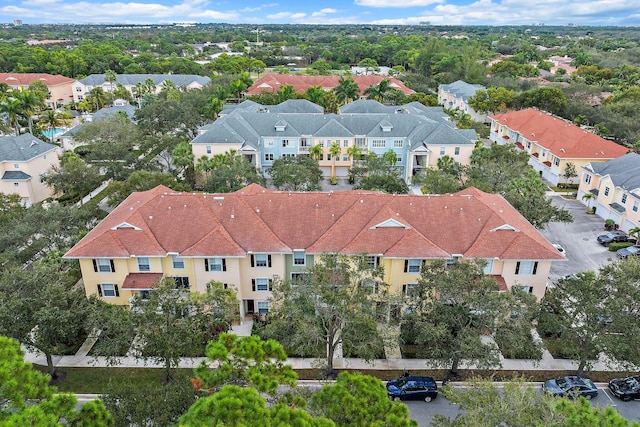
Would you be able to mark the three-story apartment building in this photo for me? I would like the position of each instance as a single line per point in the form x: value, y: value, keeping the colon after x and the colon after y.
x: 248, y: 238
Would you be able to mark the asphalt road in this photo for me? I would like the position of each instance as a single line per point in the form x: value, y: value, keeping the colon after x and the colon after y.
x: 423, y: 412
x: 583, y: 252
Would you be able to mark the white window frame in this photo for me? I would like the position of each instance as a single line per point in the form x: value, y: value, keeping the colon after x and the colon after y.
x: 258, y: 260
x: 142, y: 262
x: 215, y: 265
x: 177, y: 262
x: 635, y: 206
x: 606, y: 191
x: 443, y: 150
x: 345, y: 143
x: 378, y: 143
x: 268, y: 157
x: 398, y: 143
x: 409, y: 288
x: 103, y: 265
x: 456, y: 151
x: 208, y: 148
x: 488, y: 267
x: 526, y: 288
x: 556, y: 161
x: 262, y: 282
x: 413, y: 265
x: 526, y: 268
x: 296, y: 258
x: 623, y: 199
x: 263, y: 307
x: 587, y: 178
x: 105, y: 287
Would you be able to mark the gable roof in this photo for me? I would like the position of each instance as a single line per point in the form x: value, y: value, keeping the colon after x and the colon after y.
x: 272, y: 82
x: 562, y: 138
x: 623, y: 171
x: 25, y: 79
x: 132, y: 79
x: 461, y: 89
x: 23, y: 148
x: 255, y: 219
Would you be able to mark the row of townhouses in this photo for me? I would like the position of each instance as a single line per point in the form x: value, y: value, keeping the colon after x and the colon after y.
x: 248, y: 238
x: 456, y: 96
x: 418, y: 135
x: 552, y: 142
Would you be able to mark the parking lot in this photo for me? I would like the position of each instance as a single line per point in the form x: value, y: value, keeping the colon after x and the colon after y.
x: 578, y: 239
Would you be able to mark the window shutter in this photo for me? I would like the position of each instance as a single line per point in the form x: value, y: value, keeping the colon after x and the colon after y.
x: 377, y: 261
x: 269, y: 260
x: 113, y: 267
x: 116, y: 289
x: 253, y: 285
x: 406, y: 265
x: 252, y: 261
x: 206, y: 264
x: 270, y: 284
x: 535, y: 267
x: 99, y: 287
x: 404, y: 289
x: 224, y: 264
x: 423, y: 263
x: 517, y: 267
x: 95, y: 266
x: 225, y: 285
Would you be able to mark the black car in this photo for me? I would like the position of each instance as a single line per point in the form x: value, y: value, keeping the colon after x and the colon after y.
x: 625, y: 388
x: 409, y: 387
x: 613, y: 236
x: 570, y: 386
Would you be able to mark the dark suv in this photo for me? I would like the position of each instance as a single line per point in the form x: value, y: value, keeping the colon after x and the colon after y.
x: 409, y: 387
x: 613, y: 236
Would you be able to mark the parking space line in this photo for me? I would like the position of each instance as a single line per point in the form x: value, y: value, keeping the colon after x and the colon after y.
x: 613, y: 404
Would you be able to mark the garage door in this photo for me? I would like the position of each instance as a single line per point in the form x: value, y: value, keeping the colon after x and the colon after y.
x: 602, y: 211
x: 628, y: 225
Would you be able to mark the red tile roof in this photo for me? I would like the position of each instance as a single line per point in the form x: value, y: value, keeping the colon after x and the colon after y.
x: 141, y: 281
x: 272, y: 82
x: 562, y: 138
x: 159, y: 221
x: 25, y: 79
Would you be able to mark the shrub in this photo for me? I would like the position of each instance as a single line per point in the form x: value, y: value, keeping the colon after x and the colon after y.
x: 516, y: 342
x: 614, y: 246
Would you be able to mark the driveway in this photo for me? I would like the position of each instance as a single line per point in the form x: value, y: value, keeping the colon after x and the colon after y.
x: 578, y: 238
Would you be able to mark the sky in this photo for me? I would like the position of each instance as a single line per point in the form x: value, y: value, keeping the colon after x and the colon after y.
x: 383, y: 12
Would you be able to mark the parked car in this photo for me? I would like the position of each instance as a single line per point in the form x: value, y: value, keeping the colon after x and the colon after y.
x: 409, y: 387
x: 613, y: 236
x: 625, y: 388
x: 630, y: 251
x: 560, y: 249
x: 570, y: 386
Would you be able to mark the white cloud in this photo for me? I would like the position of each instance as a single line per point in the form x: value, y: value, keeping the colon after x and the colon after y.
x: 396, y: 3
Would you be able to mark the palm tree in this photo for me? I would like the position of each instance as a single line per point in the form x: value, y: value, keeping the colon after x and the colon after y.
x: 138, y: 91
x: 335, y: 151
x: 110, y: 76
x: 347, y: 89
x: 378, y: 92
x: 237, y: 87
x: 635, y: 233
x: 149, y: 86
x: 213, y: 107
x: 97, y: 98
x: 30, y: 104
x: 390, y: 157
x: 315, y: 94
x: 587, y: 197
x: 315, y: 152
x: 285, y: 92
x: 13, y: 109
x: 354, y: 152
x: 52, y: 120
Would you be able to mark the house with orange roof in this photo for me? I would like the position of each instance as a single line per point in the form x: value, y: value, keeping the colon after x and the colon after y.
x: 248, y: 238
x: 273, y: 82
x: 552, y: 142
x: 59, y: 86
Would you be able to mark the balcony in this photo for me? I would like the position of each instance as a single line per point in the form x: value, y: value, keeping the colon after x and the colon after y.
x: 304, y: 148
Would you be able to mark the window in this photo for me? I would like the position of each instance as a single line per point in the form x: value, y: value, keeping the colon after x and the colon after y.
x: 450, y: 262
x: 370, y: 285
x: 526, y: 288
x: 456, y: 151
x: 208, y: 149
x: 544, y: 153
x: 260, y: 284
x: 587, y: 178
x: 328, y: 156
x: 285, y: 142
x: 378, y: 143
x: 78, y: 89
x: 103, y: 265
x: 108, y: 290
x: 299, y: 258
x: 297, y: 276
x: 143, y: 264
x: 181, y: 282
x: 321, y: 143
x: 260, y: 260
x: 398, y: 143
x: 215, y: 264
x: 16, y: 166
x: 15, y: 184
x: 635, y: 206
x: 442, y: 151
x: 528, y: 145
x: 623, y: 200
x: 409, y: 289
x: 526, y: 268
x: 178, y: 263
x: 412, y: 265
x: 268, y: 157
x: 556, y: 161
x: 345, y: 157
x: 488, y: 268
x: 372, y: 260
x: 144, y: 295
x: 606, y: 191
x: 263, y: 307
x: 361, y: 142
x: 345, y: 143
x: 268, y: 143
x: 43, y: 176
x: 398, y: 158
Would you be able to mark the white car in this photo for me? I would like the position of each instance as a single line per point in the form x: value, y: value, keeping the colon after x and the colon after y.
x: 560, y: 249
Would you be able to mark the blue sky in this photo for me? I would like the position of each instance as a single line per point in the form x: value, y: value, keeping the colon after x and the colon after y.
x: 386, y: 12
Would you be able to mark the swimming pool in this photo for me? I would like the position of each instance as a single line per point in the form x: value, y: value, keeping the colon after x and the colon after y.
x: 49, y: 133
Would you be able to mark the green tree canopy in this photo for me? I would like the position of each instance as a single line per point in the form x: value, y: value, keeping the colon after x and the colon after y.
x: 300, y: 173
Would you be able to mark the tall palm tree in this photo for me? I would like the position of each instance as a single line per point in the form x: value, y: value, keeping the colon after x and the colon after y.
x: 354, y: 152
x: 52, y: 120
x: 138, y: 91
x: 378, y: 92
x: 110, y: 77
x: 30, y: 104
x: 587, y: 197
x: 213, y: 107
x: 97, y: 98
x: 285, y: 92
x: 347, y: 89
x: 335, y: 151
x: 149, y: 86
x: 13, y: 109
x: 390, y: 157
x: 314, y: 94
x: 315, y: 152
